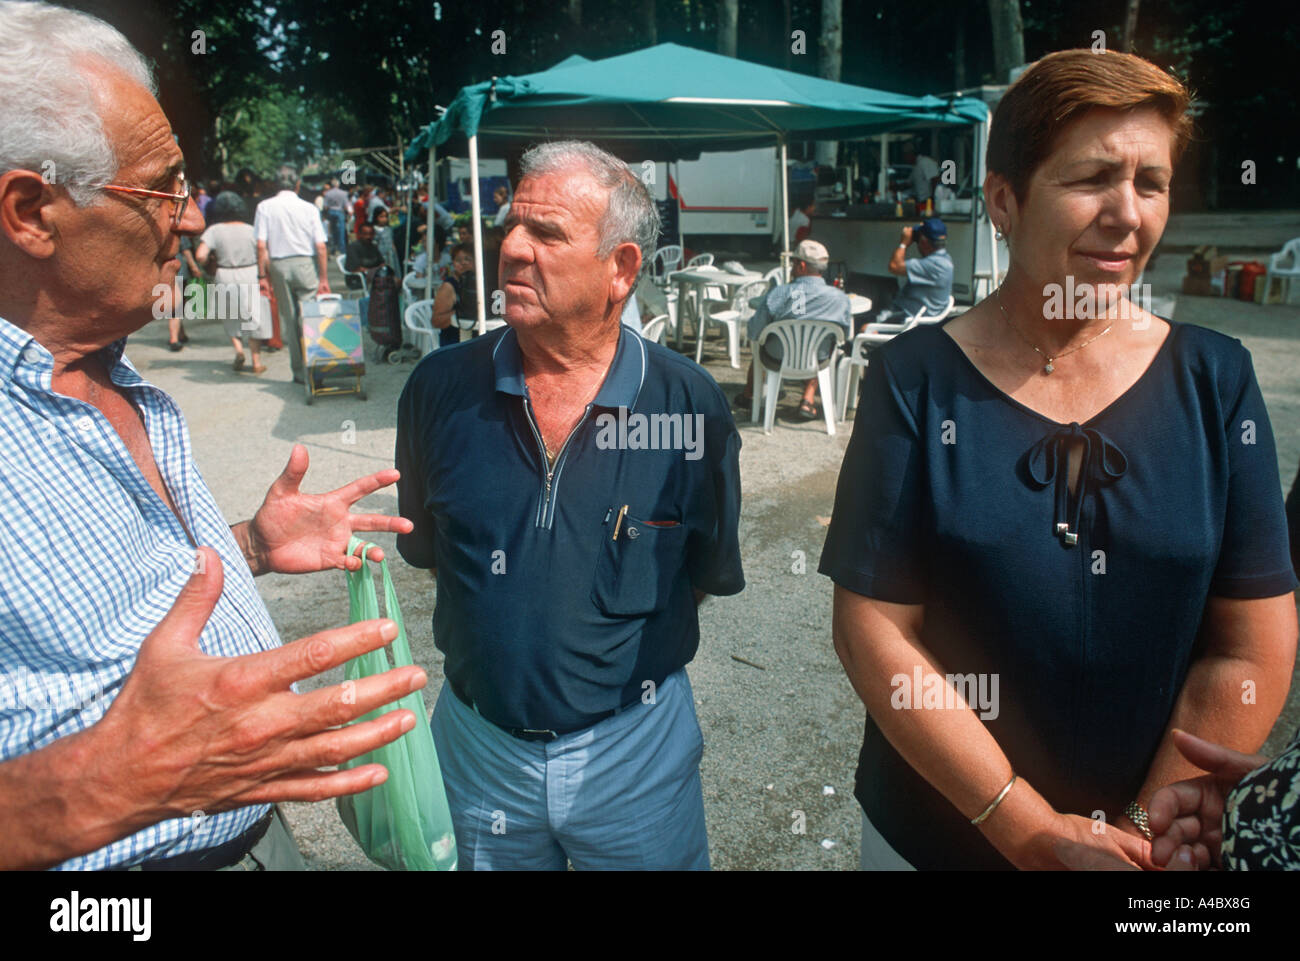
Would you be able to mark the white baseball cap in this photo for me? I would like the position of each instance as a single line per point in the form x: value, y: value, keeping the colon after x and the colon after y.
x: 813, y: 253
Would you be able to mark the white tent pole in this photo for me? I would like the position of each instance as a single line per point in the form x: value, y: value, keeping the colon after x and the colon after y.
x: 882, y: 180
x: 677, y: 173
x: 785, y: 213
x: 981, y: 135
x: 428, y: 224
x: 478, y: 232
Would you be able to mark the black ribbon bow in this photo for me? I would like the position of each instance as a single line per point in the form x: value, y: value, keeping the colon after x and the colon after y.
x: 1048, y: 461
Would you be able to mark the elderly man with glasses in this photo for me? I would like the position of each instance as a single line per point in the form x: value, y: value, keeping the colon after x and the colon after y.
x: 147, y: 716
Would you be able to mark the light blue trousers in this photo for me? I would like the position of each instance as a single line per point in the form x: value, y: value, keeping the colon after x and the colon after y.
x: 623, y: 794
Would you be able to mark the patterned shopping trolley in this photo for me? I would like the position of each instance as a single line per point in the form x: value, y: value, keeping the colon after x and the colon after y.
x: 332, y: 346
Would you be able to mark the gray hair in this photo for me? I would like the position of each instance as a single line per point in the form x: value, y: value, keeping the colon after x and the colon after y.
x: 286, y: 177
x: 631, y: 216
x: 48, y: 119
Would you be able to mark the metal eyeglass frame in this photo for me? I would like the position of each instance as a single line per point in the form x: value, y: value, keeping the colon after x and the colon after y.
x: 181, y: 200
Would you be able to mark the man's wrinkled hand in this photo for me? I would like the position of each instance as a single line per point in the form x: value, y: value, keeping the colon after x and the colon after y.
x: 297, y: 533
x: 197, y: 732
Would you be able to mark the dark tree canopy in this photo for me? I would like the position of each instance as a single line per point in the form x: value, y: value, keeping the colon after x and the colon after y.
x: 306, y: 77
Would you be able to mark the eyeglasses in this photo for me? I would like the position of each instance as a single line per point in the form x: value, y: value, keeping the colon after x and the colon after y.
x: 180, y: 200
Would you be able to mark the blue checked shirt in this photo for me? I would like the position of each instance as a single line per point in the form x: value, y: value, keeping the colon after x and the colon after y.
x: 92, y: 562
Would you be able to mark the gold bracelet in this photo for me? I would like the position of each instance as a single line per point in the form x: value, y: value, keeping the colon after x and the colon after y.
x: 983, y: 815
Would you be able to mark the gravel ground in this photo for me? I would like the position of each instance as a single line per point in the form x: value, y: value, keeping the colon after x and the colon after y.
x: 780, y: 738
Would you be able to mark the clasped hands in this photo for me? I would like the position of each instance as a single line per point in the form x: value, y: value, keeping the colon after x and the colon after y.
x: 1186, y: 817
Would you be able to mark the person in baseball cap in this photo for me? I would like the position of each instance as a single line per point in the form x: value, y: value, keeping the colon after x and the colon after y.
x: 929, y: 277
x: 809, y: 297
x: 932, y: 229
x: 814, y: 254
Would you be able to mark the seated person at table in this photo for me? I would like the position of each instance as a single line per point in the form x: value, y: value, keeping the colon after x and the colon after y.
x: 929, y: 277
x: 441, y: 255
x: 363, y: 254
x: 457, y: 298
x: 807, y: 297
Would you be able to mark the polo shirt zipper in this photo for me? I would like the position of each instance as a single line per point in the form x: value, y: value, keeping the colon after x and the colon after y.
x: 544, y: 513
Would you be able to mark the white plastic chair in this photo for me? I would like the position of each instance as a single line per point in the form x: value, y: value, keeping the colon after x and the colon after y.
x: 850, y: 367
x: 418, y: 323
x: 715, y: 293
x: 665, y: 260
x: 1277, y: 268
x: 800, y: 343
x: 691, y: 305
x: 873, y: 335
x: 732, y: 318
x: 774, y: 277
x: 670, y: 304
x: 341, y: 259
x: 653, y: 330
x: 923, y: 318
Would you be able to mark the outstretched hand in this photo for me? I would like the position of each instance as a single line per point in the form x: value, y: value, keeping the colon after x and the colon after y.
x: 297, y: 533
x: 214, y: 733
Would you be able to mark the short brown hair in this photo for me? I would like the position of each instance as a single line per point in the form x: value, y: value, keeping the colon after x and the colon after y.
x: 1062, y: 86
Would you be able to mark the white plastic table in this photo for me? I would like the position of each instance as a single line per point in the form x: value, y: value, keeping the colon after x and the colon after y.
x: 859, y: 304
x: 701, y: 277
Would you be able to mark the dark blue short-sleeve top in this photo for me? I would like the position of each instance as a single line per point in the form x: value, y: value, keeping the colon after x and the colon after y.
x: 1085, y: 605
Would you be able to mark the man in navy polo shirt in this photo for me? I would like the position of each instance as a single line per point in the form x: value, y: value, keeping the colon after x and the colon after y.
x: 577, y: 491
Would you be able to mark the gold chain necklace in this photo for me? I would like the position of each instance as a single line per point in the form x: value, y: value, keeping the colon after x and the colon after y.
x: 1047, y: 367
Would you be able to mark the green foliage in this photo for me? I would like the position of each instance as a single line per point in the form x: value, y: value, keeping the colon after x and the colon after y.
x: 273, y: 128
x: 302, y: 78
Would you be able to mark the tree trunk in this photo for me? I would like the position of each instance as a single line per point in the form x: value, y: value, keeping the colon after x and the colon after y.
x: 728, y: 14
x: 829, y: 64
x: 1130, y: 26
x: 959, y: 51
x: 649, y: 22
x: 1008, y: 38
x: 786, y: 40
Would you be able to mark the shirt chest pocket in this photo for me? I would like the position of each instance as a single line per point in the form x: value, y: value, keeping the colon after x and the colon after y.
x: 636, y: 570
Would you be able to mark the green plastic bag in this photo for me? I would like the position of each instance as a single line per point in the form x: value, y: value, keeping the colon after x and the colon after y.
x: 403, y: 824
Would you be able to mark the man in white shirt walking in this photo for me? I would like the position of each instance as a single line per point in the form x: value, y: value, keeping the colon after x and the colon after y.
x: 289, y: 233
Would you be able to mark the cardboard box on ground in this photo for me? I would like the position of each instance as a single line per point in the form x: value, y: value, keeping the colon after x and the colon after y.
x: 1211, y: 275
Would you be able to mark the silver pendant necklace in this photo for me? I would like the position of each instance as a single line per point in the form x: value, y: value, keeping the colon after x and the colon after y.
x: 1047, y: 367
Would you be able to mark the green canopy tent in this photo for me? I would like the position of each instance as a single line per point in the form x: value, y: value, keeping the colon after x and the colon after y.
x: 670, y: 102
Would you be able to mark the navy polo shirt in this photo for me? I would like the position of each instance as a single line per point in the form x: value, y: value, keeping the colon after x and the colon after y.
x: 547, y: 619
x: 1084, y: 605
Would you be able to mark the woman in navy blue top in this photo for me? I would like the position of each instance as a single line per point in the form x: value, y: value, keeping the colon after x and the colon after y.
x: 1067, y: 529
